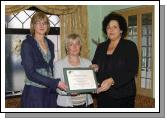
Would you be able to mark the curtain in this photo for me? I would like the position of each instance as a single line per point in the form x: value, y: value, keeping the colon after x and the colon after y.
x: 58, y: 9
x: 52, y: 9
x: 75, y: 22
x: 12, y: 9
x: 73, y: 19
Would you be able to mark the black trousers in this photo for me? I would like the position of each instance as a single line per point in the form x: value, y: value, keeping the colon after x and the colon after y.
x: 127, y: 102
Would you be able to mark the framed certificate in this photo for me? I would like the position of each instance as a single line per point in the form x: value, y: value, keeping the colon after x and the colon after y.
x: 80, y: 80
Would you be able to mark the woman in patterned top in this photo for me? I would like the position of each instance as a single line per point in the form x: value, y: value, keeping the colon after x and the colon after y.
x: 37, y: 53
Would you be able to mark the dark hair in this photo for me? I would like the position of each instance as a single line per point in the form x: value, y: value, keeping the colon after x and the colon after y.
x: 119, y: 18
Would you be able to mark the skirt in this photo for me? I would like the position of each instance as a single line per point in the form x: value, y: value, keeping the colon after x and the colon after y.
x: 35, y: 97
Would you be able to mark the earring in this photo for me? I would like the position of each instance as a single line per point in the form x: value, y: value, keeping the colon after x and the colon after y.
x: 121, y: 33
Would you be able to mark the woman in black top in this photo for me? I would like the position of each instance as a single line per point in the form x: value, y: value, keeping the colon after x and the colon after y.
x: 116, y: 62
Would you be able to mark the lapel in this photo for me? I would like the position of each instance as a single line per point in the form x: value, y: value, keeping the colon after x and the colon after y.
x: 34, y: 44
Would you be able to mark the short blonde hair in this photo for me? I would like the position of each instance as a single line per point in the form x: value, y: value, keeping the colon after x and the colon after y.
x: 72, y: 37
x: 37, y: 17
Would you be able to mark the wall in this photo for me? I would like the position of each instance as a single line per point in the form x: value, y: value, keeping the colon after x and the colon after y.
x: 95, y: 28
x: 96, y: 14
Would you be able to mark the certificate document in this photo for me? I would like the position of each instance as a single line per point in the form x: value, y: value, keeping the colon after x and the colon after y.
x: 80, y: 80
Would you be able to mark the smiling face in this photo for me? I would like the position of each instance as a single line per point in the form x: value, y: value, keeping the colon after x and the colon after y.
x: 73, y: 47
x: 113, y: 30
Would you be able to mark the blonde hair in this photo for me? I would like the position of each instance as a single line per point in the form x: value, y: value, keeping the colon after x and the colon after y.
x: 38, y: 16
x: 72, y: 37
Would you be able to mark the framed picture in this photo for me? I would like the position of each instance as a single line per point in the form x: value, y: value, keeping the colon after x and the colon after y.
x: 80, y: 80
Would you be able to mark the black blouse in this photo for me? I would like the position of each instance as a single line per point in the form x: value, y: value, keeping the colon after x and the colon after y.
x: 122, y: 66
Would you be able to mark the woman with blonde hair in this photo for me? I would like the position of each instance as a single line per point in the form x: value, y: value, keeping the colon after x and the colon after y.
x: 73, y: 47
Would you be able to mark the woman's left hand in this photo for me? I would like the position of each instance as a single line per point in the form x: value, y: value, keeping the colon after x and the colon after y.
x: 95, y: 67
x: 105, y: 85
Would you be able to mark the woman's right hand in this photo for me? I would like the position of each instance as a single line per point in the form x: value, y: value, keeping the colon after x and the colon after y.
x: 74, y: 94
x: 105, y: 85
x: 62, y: 86
x: 95, y: 67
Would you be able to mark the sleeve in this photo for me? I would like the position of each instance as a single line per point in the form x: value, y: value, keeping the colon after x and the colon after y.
x: 58, y: 73
x: 30, y: 71
x: 96, y: 55
x: 129, y: 71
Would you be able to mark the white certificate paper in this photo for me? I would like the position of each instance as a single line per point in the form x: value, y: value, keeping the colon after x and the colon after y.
x: 81, y: 79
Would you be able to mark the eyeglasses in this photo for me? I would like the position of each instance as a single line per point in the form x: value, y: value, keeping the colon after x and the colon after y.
x: 41, y: 23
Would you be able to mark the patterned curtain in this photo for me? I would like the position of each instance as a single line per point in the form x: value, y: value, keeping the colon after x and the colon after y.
x: 73, y: 20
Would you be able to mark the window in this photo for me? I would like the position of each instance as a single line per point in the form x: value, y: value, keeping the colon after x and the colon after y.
x: 146, y: 50
x: 140, y: 31
x: 16, y: 28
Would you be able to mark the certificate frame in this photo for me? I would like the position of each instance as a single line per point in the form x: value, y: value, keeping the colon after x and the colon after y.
x: 80, y: 71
